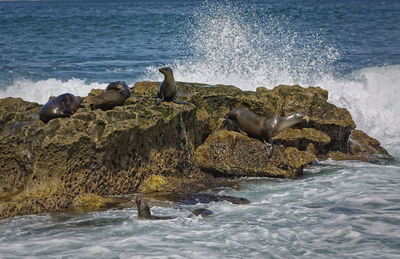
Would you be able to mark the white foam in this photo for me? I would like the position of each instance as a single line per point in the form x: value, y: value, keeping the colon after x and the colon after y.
x: 41, y: 91
x: 248, y: 48
x: 372, y: 97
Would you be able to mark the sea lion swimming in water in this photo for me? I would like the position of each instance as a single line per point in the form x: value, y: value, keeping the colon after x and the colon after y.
x: 144, y: 211
x: 263, y: 128
x: 115, y: 94
x: 61, y: 106
x: 167, y: 89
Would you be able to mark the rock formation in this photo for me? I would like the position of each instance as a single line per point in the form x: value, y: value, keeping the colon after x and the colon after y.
x: 79, y: 162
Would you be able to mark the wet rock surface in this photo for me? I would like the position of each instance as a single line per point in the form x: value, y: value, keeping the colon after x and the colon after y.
x: 82, y: 160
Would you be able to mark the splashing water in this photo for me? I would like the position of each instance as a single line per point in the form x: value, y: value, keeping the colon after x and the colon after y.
x: 371, y: 95
x: 41, y: 90
x: 248, y: 48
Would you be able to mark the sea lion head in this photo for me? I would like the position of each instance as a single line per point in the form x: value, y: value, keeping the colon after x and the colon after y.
x: 232, y: 115
x: 143, y: 208
x: 165, y: 70
x: 282, y: 123
x: 76, y: 103
x: 120, y: 86
x: 81, y: 100
x: 297, y: 117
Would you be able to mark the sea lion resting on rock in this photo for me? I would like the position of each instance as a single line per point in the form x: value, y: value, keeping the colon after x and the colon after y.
x: 115, y: 94
x: 144, y: 211
x: 263, y: 128
x: 167, y: 89
x: 61, y: 106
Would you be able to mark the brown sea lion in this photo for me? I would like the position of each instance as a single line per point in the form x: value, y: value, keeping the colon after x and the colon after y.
x: 263, y: 128
x: 204, y: 213
x: 167, y: 89
x: 115, y: 94
x: 62, y: 106
x: 144, y: 210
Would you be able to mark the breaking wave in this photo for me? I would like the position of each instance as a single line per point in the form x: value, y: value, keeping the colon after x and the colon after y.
x: 40, y: 91
x: 251, y: 47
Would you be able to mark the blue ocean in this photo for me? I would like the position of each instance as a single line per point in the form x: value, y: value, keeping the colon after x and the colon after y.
x: 350, y: 48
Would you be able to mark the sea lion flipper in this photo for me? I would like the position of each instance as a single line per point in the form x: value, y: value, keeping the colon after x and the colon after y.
x: 269, y: 148
x: 159, y: 101
x: 242, y: 132
x: 178, y: 102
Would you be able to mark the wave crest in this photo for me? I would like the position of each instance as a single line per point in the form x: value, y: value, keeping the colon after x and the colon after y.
x: 41, y: 91
x: 372, y: 97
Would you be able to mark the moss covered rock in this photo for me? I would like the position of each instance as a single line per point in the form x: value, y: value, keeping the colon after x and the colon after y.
x: 229, y: 153
x: 70, y: 162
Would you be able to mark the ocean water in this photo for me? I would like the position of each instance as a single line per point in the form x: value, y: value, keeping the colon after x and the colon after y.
x: 350, y: 48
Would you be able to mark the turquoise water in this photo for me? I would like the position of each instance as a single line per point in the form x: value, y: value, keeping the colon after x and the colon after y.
x: 346, y: 209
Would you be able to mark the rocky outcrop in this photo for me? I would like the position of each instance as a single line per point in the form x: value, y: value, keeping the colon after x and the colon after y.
x: 362, y: 147
x: 229, y: 153
x: 86, y: 160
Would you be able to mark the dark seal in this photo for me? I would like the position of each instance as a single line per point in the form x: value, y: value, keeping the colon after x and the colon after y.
x: 144, y: 210
x: 204, y: 213
x: 115, y: 94
x: 62, y: 106
x: 263, y: 128
x: 167, y: 89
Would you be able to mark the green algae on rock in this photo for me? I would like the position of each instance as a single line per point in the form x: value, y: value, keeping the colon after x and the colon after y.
x: 80, y: 161
x: 230, y: 153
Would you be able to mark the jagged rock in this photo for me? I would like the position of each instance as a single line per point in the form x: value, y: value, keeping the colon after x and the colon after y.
x: 91, y: 202
x: 362, y: 147
x: 230, y: 153
x: 142, y: 147
x: 301, y: 139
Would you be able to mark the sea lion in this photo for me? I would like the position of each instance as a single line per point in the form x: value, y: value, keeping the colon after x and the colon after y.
x: 61, y: 106
x: 115, y: 94
x: 204, y: 213
x: 263, y: 128
x: 144, y: 211
x: 167, y: 89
